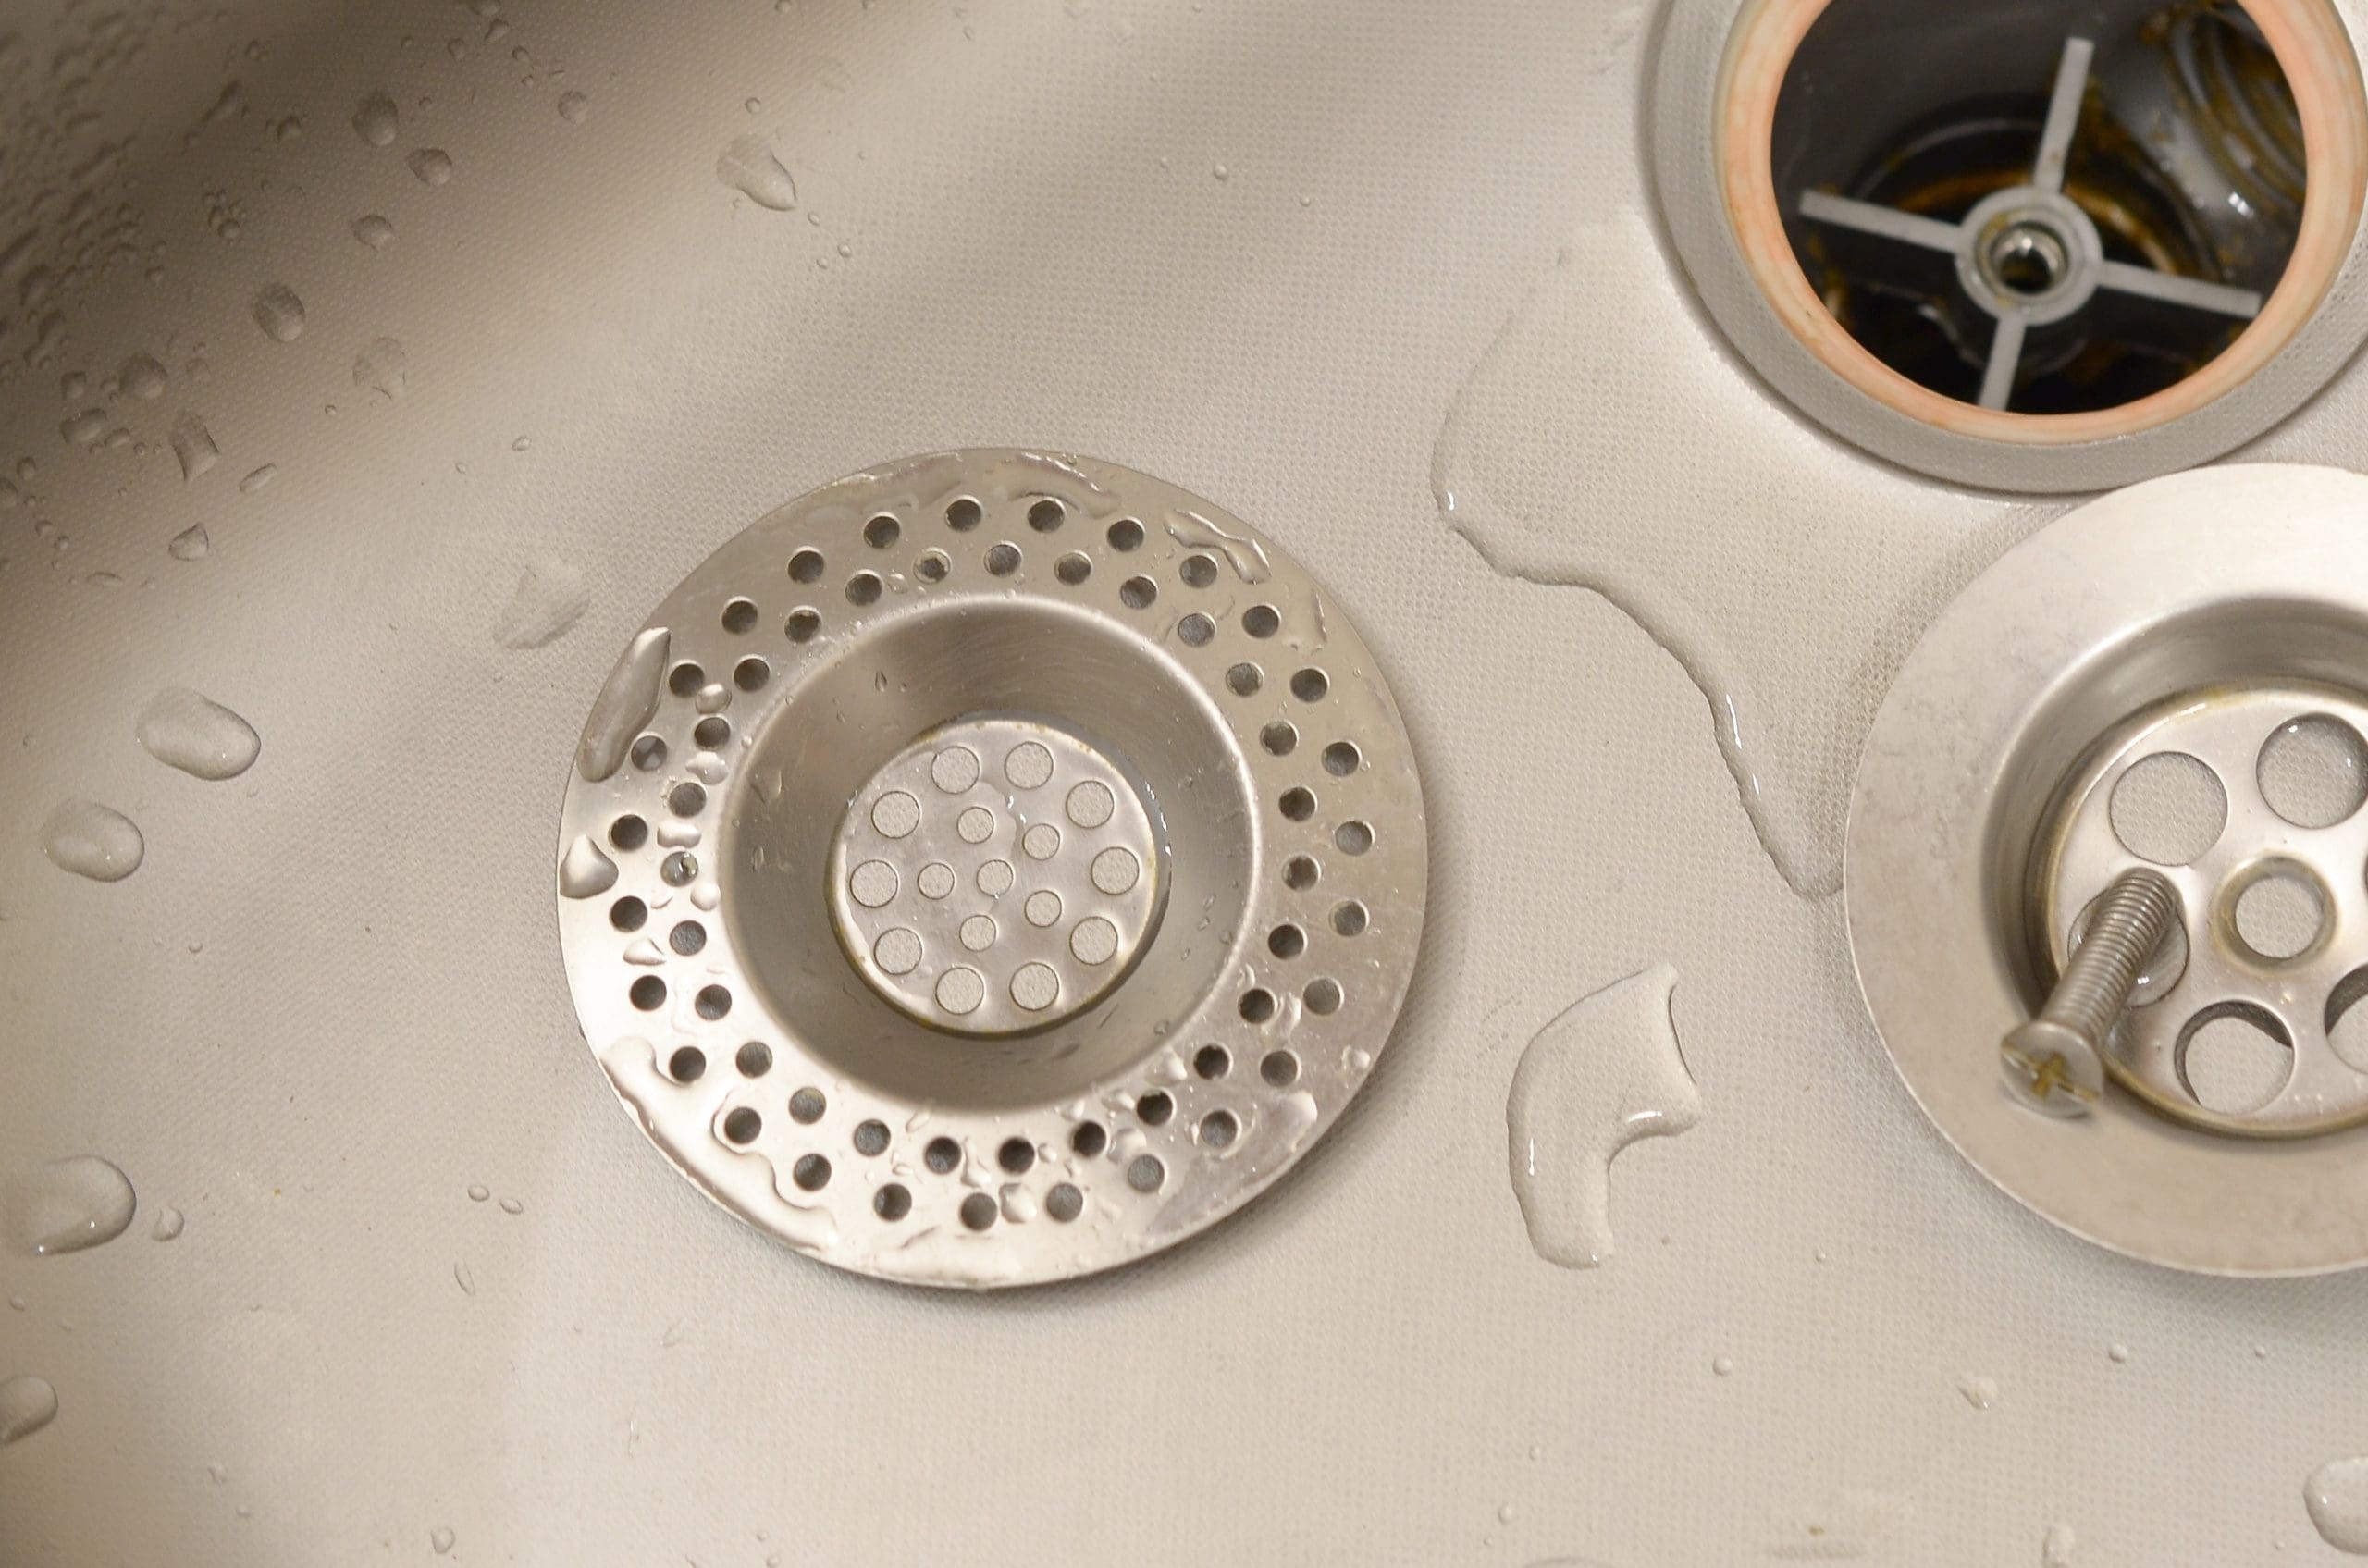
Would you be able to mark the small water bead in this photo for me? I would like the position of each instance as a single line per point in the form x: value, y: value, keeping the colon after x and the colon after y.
x: 74, y: 1204
x: 92, y: 841
x: 27, y: 1404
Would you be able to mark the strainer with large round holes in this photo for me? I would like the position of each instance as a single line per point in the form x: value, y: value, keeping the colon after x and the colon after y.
x: 991, y: 868
x: 2176, y: 677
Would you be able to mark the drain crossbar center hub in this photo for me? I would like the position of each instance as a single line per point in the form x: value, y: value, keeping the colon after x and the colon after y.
x: 997, y: 876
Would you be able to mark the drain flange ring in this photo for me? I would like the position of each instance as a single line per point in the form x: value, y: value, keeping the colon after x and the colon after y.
x: 991, y: 868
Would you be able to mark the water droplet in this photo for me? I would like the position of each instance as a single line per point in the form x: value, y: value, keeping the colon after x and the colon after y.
x: 289, y: 129
x: 168, y: 1226
x: 375, y: 121
x: 520, y: 444
x: 193, y: 445
x: 1222, y: 172
x: 374, y: 230
x: 1979, y: 1393
x: 1722, y: 1367
x: 551, y: 594
x: 74, y: 386
x: 442, y: 1539
x: 72, y: 1204
x: 573, y: 107
x: 1505, y: 1513
x: 466, y: 1280
x: 142, y: 378
x: 2336, y: 1496
x: 279, y: 311
x: 2057, y: 1550
x: 382, y: 367
x: 258, y: 479
x: 1604, y: 1073
x: 2118, y: 1354
x: 479, y: 1192
x: 191, y: 543
x: 624, y: 705
x: 673, y: 1335
x: 585, y: 871
x: 185, y: 729
x: 512, y: 1205
x: 748, y: 165
x: 432, y: 164
x: 27, y: 1404
x: 86, y: 428
x: 92, y: 841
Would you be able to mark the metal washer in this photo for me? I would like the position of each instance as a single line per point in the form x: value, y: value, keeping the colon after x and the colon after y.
x: 726, y: 874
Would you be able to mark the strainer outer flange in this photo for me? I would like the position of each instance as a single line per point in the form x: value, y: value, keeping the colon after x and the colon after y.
x: 711, y: 796
x: 2182, y: 584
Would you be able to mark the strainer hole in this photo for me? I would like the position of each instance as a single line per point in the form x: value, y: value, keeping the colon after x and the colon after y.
x: 687, y: 937
x: 1323, y: 996
x: 1137, y: 592
x: 1016, y: 1156
x: 812, y: 1173
x: 2347, y: 1021
x: 863, y: 588
x: 881, y: 532
x: 1089, y: 1139
x: 1145, y: 1173
x: 2234, y: 1057
x: 1287, y: 942
x: 1257, y: 1005
x: 751, y: 674
x: 807, y: 1106
x: 1262, y: 620
x: 1300, y: 872
x: 1212, y: 1062
x: 741, y: 1125
x: 1073, y: 568
x: 648, y: 753
x: 962, y: 515
x: 712, y: 1002
x: 687, y: 799
x: 649, y: 992
x: 891, y: 1202
x: 739, y: 616
x: 1244, y: 679
x: 1341, y: 758
x: 686, y: 1065
x: 802, y: 624
x: 2314, y: 771
x: 1297, y: 805
x: 1280, y: 738
x: 2279, y: 913
x: 1198, y: 571
x: 1218, y: 1129
x: 872, y: 1138
x: 1354, y: 837
x: 1195, y: 630
x: 2168, y: 808
x: 1046, y: 516
x: 1349, y: 917
x: 712, y: 732
x: 806, y: 566
x: 1125, y: 535
x: 1153, y: 1108
x: 978, y: 1211
x: 941, y: 1155
x: 1064, y: 1202
x: 1310, y: 685
x: 628, y: 831
x: 1002, y: 559
x: 932, y: 566
x: 685, y: 679
x: 628, y: 914
x: 1279, y: 1069
x: 754, y: 1059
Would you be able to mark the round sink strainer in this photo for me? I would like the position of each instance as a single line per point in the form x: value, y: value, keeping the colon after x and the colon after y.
x: 2172, y: 682
x: 990, y: 868
x: 2036, y: 247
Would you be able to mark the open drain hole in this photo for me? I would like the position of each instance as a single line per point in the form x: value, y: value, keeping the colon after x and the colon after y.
x: 2275, y: 912
x: 2234, y: 1057
x: 2168, y: 808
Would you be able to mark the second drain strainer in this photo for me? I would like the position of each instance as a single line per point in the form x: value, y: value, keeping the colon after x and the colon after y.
x: 2165, y: 687
x: 990, y: 868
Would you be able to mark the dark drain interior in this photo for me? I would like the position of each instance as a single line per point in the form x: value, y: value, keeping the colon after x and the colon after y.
x: 2039, y: 208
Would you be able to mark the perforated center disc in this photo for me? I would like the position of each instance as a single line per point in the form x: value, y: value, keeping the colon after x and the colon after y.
x: 990, y: 868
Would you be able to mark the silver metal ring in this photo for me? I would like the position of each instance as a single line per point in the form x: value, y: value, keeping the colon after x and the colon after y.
x: 991, y: 868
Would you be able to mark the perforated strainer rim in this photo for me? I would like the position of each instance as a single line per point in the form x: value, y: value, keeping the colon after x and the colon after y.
x: 1216, y: 1102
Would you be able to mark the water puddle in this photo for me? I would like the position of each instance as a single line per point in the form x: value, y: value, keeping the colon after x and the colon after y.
x: 187, y: 730
x: 92, y: 841
x: 2336, y: 1496
x: 71, y: 1205
x: 550, y: 596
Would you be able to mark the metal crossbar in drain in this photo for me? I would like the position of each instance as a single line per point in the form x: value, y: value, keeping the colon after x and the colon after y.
x: 990, y: 868
x: 2110, y: 838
